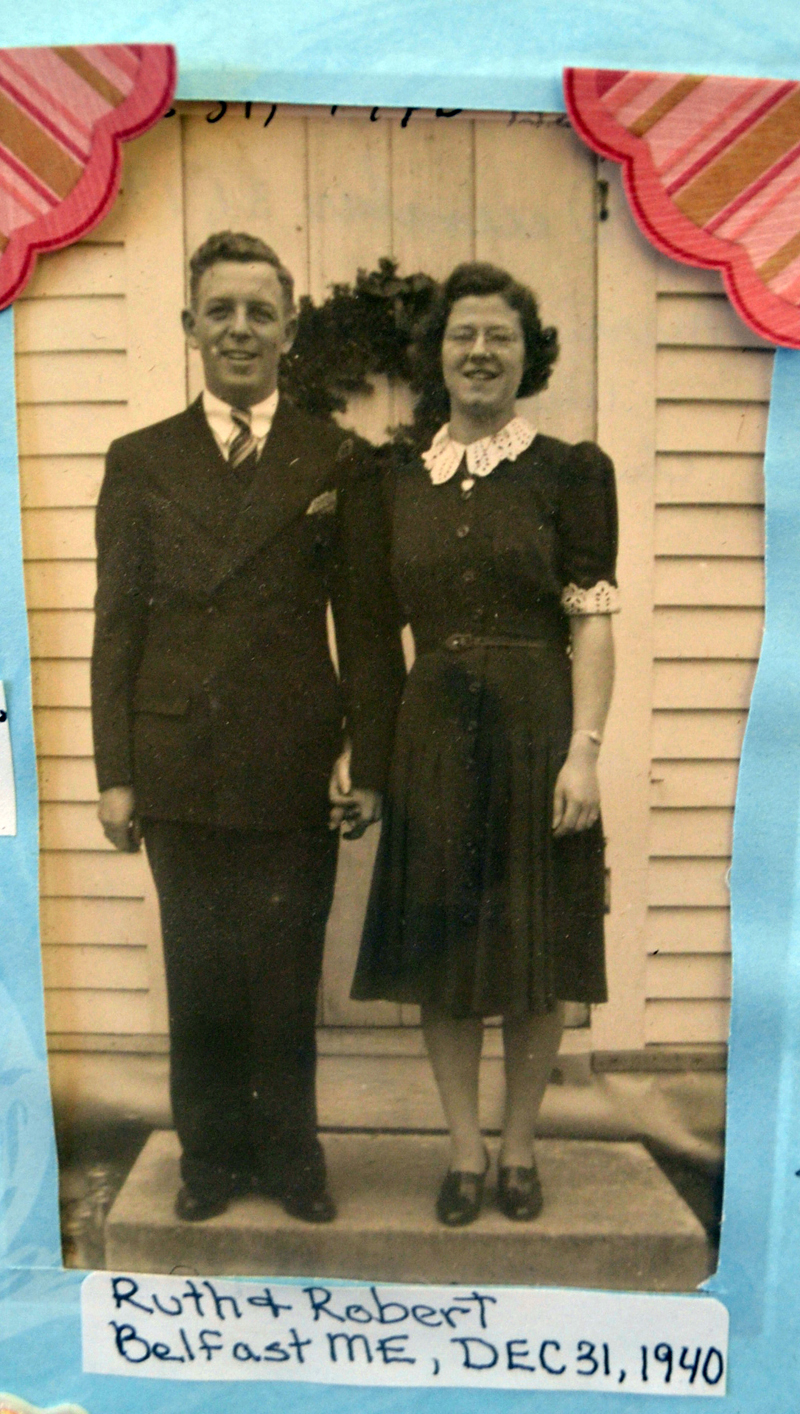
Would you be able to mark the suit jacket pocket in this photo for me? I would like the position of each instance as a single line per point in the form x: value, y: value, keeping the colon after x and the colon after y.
x: 164, y: 704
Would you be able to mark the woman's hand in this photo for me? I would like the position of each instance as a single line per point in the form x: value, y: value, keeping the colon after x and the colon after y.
x: 355, y: 807
x: 576, y: 802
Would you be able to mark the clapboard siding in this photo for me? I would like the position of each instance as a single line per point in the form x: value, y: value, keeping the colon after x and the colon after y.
x: 687, y: 883
x: 700, y: 633
x: 58, y: 533
x: 72, y: 826
x: 92, y: 920
x: 703, y: 321
x: 60, y: 482
x: 71, y: 779
x: 89, y: 269
x: 701, y: 784
x: 69, y: 429
x: 61, y: 584
x: 687, y: 833
x: 709, y: 583
x: 674, y: 1022
x: 95, y: 967
x: 70, y: 377
x: 710, y: 427
x: 65, y: 873
x: 700, y: 977
x: 709, y: 531
x: 61, y: 682
x: 709, y: 479
x: 688, y: 930
x: 75, y: 381
x: 713, y: 385
x: 63, y: 731
x: 721, y: 375
x: 702, y: 683
x: 74, y: 324
x: 104, y: 1012
x: 60, y: 633
x: 706, y: 736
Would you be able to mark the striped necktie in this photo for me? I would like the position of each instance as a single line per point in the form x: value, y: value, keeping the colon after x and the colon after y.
x: 243, y: 453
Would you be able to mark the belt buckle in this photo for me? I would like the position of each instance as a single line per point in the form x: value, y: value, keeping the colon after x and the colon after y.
x: 457, y: 641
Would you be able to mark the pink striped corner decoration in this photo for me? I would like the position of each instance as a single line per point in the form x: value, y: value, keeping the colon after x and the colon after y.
x: 63, y: 113
x: 712, y: 172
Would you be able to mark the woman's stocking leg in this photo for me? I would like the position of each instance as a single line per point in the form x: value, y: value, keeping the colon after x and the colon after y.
x: 530, y: 1046
x: 454, y: 1050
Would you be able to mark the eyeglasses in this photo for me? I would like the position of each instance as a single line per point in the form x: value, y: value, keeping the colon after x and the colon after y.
x: 492, y: 338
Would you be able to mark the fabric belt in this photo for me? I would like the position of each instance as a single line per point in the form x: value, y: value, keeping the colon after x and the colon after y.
x: 460, y: 642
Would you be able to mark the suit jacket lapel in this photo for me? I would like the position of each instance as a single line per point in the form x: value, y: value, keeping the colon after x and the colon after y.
x: 292, y: 470
x: 196, y: 475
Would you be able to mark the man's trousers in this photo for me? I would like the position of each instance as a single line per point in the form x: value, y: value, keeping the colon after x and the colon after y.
x: 243, y: 917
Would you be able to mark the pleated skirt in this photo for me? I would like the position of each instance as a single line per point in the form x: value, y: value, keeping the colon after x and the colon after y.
x: 475, y: 907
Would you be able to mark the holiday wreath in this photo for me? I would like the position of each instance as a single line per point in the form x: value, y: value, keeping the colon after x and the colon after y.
x: 359, y: 332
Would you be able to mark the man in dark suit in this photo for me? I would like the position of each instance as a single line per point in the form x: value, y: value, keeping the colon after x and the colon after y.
x: 222, y: 534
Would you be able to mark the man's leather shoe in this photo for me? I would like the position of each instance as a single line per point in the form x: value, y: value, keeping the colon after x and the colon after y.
x: 311, y: 1204
x: 519, y: 1193
x: 196, y: 1207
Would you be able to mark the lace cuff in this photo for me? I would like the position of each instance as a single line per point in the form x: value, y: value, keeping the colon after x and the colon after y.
x: 602, y: 598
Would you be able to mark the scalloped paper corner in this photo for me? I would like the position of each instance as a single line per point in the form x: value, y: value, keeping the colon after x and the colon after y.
x: 711, y: 168
x: 64, y: 111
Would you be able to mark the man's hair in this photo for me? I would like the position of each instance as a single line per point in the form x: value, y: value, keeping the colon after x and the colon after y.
x: 237, y: 245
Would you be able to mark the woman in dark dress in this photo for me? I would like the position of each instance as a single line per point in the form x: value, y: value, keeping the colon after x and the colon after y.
x: 487, y: 898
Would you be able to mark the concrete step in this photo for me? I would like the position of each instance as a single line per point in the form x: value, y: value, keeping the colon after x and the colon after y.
x: 611, y: 1220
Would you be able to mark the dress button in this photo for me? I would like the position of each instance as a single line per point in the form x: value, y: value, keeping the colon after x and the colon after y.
x: 462, y: 531
x: 211, y: 609
x: 468, y: 577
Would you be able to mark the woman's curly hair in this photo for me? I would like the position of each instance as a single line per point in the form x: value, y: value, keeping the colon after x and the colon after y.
x: 475, y: 278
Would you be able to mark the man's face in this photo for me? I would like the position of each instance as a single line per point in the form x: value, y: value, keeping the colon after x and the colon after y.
x: 241, y: 326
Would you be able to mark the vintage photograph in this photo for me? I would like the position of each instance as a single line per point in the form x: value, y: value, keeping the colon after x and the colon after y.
x: 393, y: 527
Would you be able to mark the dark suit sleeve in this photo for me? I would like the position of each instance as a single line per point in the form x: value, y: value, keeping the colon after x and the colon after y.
x: 121, y: 608
x: 367, y: 618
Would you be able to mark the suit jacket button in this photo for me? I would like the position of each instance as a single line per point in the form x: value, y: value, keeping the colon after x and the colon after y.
x: 462, y: 531
x: 211, y: 609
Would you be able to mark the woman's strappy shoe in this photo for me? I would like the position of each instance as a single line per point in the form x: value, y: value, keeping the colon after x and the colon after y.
x: 519, y: 1193
x: 460, y: 1196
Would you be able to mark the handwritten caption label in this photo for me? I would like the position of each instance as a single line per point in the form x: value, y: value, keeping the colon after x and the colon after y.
x: 196, y: 1328
x: 8, y: 798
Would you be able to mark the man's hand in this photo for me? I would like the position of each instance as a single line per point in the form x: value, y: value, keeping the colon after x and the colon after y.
x: 117, y: 814
x: 355, y: 807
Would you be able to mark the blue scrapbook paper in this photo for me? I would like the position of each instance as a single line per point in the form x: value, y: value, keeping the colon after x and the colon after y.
x: 29, y: 1233
x: 475, y: 55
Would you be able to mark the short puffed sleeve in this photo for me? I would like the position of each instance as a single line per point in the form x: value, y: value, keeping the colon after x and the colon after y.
x: 588, y: 532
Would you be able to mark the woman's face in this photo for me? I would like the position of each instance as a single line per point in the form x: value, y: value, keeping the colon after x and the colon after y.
x: 483, y: 356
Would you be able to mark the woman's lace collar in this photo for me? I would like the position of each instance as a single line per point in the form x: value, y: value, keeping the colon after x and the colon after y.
x: 444, y: 455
